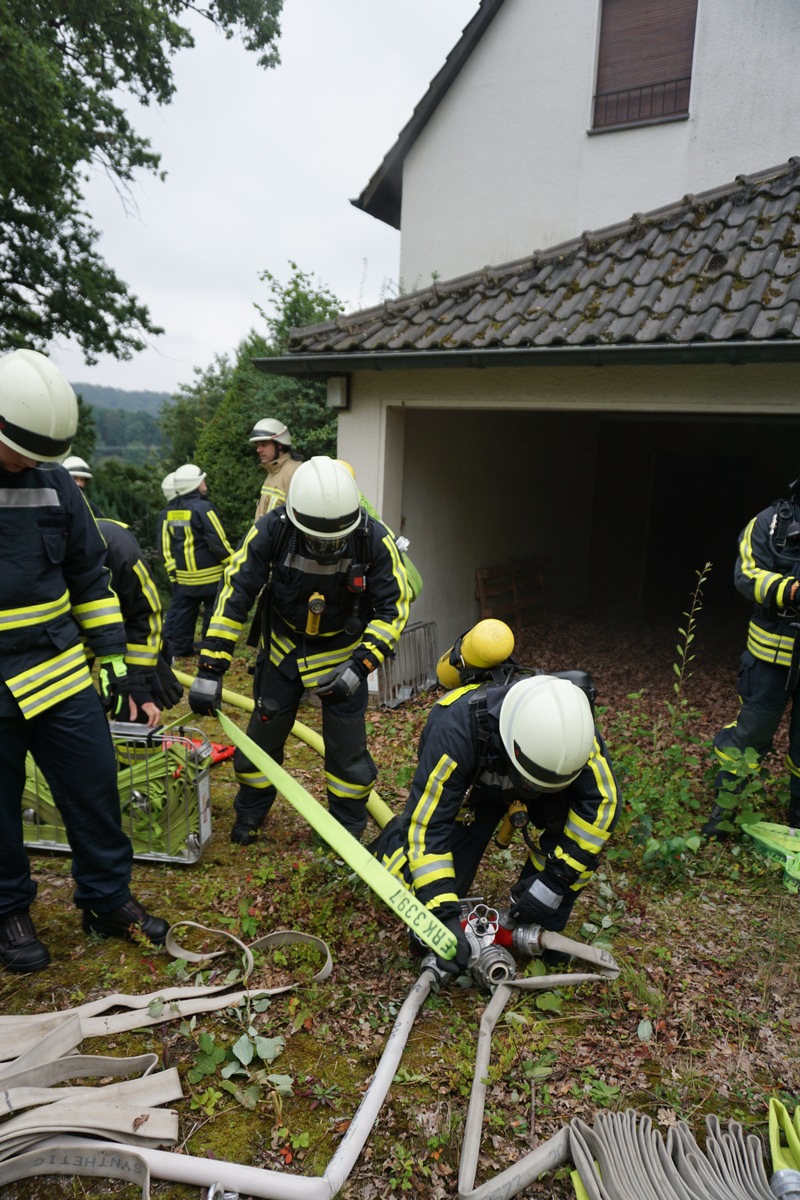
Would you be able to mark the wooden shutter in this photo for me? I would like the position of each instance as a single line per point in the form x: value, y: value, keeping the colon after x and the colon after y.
x: 645, y: 60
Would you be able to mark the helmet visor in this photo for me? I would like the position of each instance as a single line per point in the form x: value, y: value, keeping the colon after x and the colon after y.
x: 326, y: 548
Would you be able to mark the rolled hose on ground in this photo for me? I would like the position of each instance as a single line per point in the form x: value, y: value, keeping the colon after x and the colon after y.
x: 264, y: 1184
x: 377, y: 808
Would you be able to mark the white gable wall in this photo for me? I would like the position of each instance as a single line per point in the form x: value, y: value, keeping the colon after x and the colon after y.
x: 505, y: 166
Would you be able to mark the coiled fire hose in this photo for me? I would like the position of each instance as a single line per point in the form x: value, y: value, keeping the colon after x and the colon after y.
x: 621, y: 1157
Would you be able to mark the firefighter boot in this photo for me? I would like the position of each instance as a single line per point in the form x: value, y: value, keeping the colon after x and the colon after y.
x: 20, y: 948
x: 711, y: 828
x: 245, y: 830
x: 128, y: 922
x: 793, y: 815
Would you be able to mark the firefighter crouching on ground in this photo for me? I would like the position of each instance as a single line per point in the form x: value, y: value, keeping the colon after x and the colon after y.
x: 767, y: 573
x: 54, y: 587
x: 482, y: 749
x: 334, y: 604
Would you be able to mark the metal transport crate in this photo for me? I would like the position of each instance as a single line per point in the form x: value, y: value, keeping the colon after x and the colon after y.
x: 164, y: 791
x: 411, y: 671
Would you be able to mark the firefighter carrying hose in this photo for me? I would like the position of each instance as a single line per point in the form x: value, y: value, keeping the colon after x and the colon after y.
x: 54, y: 591
x: 485, y: 748
x: 767, y: 573
x: 334, y: 601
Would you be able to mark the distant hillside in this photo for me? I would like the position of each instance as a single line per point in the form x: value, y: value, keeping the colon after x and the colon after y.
x: 109, y: 397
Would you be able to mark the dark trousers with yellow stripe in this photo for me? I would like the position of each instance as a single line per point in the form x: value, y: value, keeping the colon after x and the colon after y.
x: 763, y: 694
x: 181, y: 619
x: 348, y: 764
x: 72, y: 747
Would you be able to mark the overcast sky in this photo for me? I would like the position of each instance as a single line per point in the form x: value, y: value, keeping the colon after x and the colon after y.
x: 262, y: 165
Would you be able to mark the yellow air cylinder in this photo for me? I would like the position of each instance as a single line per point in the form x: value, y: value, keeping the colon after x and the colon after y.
x: 487, y: 644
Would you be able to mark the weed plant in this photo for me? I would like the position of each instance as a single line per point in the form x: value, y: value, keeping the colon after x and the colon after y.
x: 662, y: 764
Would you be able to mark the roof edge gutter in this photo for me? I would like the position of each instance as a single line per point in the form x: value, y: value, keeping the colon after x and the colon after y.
x: 324, y: 366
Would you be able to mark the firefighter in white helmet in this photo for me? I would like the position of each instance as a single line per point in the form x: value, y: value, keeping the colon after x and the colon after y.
x: 195, y: 549
x: 81, y: 472
x: 530, y: 741
x: 336, y: 604
x: 55, y: 593
x: 273, y: 445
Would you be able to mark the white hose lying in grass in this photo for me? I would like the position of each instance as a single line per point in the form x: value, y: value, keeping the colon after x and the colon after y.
x: 263, y: 1184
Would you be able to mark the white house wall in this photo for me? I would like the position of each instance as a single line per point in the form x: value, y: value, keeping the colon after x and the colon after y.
x: 478, y: 466
x: 506, y: 166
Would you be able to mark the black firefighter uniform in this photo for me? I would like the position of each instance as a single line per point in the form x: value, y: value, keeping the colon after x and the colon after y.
x: 55, y: 594
x: 460, y: 793
x: 362, y: 625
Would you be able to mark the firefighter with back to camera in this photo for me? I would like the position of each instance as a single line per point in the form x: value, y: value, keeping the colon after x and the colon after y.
x: 335, y: 600
x: 521, y: 741
x: 55, y: 591
x: 195, y: 549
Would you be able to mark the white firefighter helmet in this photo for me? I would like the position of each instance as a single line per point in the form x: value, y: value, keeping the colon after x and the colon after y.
x: 77, y: 467
x: 547, y: 729
x: 38, y: 408
x: 168, y: 486
x: 187, y: 479
x: 323, y: 502
x: 270, y: 430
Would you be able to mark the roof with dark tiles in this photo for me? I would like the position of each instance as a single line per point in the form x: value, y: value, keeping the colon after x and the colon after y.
x: 720, y: 266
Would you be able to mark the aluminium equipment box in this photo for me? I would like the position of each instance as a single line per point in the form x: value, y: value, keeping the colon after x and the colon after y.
x: 164, y: 791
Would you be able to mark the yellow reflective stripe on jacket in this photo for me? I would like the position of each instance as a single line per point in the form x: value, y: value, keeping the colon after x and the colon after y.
x: 166, y: 549
x: 50, y: 682
x: 591, y: 836
x: 380, y: 635
x: 762, y: 580
x: 221, y: 626
x: 193, y: 576
x: 146, y: 654
x: 34, y: 614
x: 96, y: 613
x: 271, y: 497
x: 215, y: 521
x: 769, y: 647
x: 424, y: 867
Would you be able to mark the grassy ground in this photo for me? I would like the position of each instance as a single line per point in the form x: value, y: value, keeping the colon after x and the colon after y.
x: 703, y: 1018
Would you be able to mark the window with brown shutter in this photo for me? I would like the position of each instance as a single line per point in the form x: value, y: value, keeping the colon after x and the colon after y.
x: 644, y: 66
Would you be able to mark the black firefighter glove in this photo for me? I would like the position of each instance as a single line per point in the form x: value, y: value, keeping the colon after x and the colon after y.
x: 205, y: 694
x: 537, y: 904
x: 114, y: 687
x: 456, y: 965
x: 167, y: 692
x: 342, y: 682
x: 141, y: 691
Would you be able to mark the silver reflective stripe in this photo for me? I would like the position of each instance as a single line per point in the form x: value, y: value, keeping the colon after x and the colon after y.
x: 311, y: 567
x: 545, y: 895
x: 29, y: 498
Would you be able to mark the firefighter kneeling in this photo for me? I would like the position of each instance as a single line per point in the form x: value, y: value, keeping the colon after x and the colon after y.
x: 530, y: 739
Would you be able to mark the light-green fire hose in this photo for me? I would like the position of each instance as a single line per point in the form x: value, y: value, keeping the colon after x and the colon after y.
x: 377, y: 808
x: 428, y: 928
